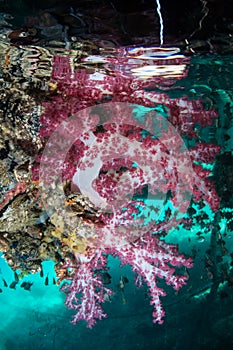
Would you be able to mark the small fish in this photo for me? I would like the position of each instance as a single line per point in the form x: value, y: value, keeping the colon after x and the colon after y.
x: 54, y: 281
x: 46, y: 281
x: 201, y: 239
x: 106, y: 278
x: 16, y: 277
x: 41, y: 273
x: 0, y: 290
x: 123, y: 281
x: 4, y: 282
x: 186, y: 272
x: 13, y: 284
x: 168, y: 213
x: 26, y: 285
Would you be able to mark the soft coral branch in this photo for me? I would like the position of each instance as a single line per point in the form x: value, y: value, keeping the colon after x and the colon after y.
x: 154, y: 259
x: 101, y: 164
x: 86, y: 292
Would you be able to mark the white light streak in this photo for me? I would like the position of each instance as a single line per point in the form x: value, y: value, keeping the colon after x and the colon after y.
x: 160, y: 21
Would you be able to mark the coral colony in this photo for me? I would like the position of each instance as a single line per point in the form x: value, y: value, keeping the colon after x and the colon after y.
x: 131, y: 175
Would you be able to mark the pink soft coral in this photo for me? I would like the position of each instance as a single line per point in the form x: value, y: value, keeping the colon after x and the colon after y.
x: 111, y: 161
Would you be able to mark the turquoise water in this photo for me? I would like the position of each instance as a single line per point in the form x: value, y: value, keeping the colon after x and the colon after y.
x: 38, y: 319
x: 199, y: 315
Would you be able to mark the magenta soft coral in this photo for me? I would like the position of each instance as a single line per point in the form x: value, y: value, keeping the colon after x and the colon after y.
x: 109, y: 144
x: 86, y: 292
x: 153, y: 259
x: 149, y: 257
